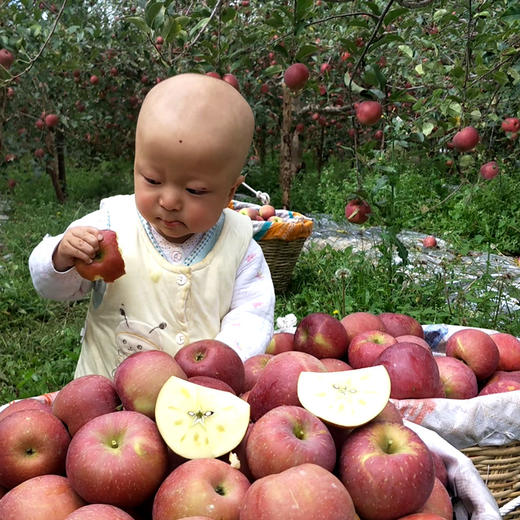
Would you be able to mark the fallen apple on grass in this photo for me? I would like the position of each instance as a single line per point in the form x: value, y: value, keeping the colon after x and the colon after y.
x: 200, y: 422
x: 489, y: 170
x: 108, y: 264
x: 316, y: 492
x: 139, y: 378
x: 32, y: 443
x: 429, y: 241
x: 288, y: 436
x: 345, y: 399
x: 387, y: 469
x: 201, y: 486
x: 118, y: 458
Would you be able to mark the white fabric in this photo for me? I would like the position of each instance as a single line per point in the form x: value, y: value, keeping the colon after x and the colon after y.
x: 252, y: 302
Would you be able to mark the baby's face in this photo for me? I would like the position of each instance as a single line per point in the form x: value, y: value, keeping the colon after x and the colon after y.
x: 189, y: 156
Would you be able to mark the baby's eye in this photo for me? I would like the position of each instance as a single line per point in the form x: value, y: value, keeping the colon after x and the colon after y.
x: 151, y: 181
x: 196, y: 192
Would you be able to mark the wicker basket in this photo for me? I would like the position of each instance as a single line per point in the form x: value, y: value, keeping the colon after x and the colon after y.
x: 281, y: 257
x: 499, y: 467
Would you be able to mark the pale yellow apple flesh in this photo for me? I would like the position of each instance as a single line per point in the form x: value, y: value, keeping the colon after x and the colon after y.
x: 348, y: 398
x: 200, y: 422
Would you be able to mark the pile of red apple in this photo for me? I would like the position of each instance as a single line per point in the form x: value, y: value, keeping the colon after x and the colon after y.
x: 100, y: 451
x: 265, y: 212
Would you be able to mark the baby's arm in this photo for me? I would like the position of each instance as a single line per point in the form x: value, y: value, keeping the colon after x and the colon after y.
x: 51, y: 262
x: 248, y: 326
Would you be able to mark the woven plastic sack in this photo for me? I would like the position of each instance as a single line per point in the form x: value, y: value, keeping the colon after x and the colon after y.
x: 294, y: 225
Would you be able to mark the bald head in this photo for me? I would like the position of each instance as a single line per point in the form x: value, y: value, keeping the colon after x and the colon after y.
x: 199, y: 113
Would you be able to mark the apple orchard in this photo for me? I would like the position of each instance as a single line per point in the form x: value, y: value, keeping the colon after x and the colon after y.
x: 72, y: 79
x: 285, y: 435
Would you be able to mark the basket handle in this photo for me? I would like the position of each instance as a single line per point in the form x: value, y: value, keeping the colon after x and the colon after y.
x: 260, y: 195
x: 510, y: 506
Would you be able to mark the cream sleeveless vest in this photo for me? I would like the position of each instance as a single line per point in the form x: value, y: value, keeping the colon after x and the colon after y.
x: 158, y: 305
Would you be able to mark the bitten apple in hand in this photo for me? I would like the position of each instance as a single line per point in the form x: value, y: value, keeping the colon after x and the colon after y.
x: 108, y: 264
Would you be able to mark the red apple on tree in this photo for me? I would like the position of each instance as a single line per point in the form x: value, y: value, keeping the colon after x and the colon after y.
x: 317, y: 492
x: 321, y: 335
x: 387, y: 469
x: 84, y: 398
x: 357, y: 211
x: 466, y: 139
x: 232, y: 80
x: 94, y: 80
x: 198, y: 487
x: 51, y: 120
x: 32, y: 443
x: 489, y: 170
x: 368, y: 112
x: 129, y: 444
x: 511, y: 124
x: 108, y: 263
x: 6, y: 58
x: 296, y: 76
x: 47, y: 497
x: 210, y: 357
x: 287, y: 436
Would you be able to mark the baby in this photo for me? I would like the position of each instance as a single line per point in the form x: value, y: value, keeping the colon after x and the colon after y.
x: 193, y: 270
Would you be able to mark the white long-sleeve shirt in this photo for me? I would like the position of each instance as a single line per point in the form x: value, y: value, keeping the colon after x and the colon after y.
x: 247, y: 327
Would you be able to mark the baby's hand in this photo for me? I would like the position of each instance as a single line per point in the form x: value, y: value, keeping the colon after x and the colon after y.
x: 80, y: 242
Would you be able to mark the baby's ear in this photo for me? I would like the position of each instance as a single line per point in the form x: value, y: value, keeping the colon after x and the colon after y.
x: 238, y: 182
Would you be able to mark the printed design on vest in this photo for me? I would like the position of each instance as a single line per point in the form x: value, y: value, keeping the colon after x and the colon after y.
x: 136, y: 336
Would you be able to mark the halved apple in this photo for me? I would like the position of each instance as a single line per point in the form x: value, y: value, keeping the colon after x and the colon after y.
x: 348, y: 398
x: 199, y: 422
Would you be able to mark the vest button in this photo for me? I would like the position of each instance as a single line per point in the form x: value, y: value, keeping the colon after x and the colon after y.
x: 181, y: 279
x: 179, y: 338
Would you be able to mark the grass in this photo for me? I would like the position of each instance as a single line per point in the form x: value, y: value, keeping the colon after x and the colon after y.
x: 39, y: 339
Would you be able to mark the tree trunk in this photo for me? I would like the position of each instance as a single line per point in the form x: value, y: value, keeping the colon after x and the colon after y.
x: 52, y: 166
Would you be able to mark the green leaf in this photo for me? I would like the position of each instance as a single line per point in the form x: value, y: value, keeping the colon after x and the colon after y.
x: 273, y: 70
x: 306, y: 50
x: 275, y: 20
x: 352, y: 85
x: 173, y: 28
x: 394, y: 14
x: 427, y: 128
x: 228, y: 14
x: 302, y: 8
x: 405, y: 49
x: 475, y: 114
x: 419, y: 69
x: 138, y: 22
x: 152, y: 9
